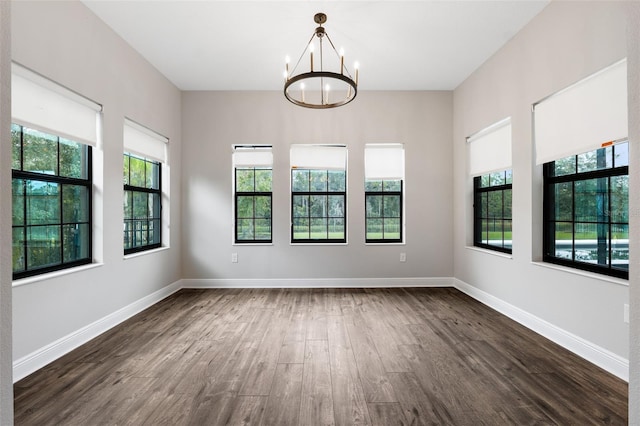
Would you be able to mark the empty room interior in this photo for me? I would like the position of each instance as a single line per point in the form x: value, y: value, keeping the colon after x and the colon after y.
x: 310, y: 212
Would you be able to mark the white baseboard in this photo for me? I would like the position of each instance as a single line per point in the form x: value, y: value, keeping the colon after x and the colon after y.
x: 593, y: 353
x: 45, y: 355
x: 318, y: 282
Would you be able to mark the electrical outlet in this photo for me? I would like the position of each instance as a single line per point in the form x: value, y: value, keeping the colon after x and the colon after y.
x: 234, y: 257
x: 403, y: 257
x: 626, y: 313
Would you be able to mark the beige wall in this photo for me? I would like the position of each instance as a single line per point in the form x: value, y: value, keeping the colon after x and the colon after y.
x: 6, y: 373
x: 564, y: 43
x: 214, y: 121
x: 67, y: 43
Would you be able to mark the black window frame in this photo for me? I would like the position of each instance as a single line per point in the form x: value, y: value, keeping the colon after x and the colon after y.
x: 61, y: 181
x: 326, y: 193
x: 384, y: 194
x: 138, y: 189
x: 254, y: 194
x: 479, y: 216
x: 549, y: 218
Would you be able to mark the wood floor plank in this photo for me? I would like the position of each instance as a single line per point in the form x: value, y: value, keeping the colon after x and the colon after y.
x: 283, y: 404
x: 350, y: 407
x: 316, y: 403
x: 320, y: 356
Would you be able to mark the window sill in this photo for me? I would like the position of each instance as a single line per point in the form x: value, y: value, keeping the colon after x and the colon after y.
x: 592, y: 275
x: 385, y: 244
x: 318, y: 244
x: 250, y: 244
x: 491, y: 252
x: 145, y: 252
x: 55, y: 274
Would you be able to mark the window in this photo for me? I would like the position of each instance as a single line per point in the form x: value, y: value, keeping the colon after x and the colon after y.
x: 51, y: 191
x: 586, y: 211
x: 492, y: 211
x: 384, y: 175
x: 318, y: 194
x: 53, y: 134
x: 253, y: 194
x: 145, y: 154
x: 142, y: 204
x: 490, y: 167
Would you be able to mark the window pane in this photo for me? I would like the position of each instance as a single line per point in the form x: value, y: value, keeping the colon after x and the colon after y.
x: 245, y: 229
x: 73, y: 159
x: 484, y: 234
x: 17, y: 192
x: 154, y: 203
x: 18, y: 249
x: 75, y: 242
x: 16, y: 144
x: 245, y: 207
x: 263, y: 207
x: 374, y: 205
x: 128, y: 233
x: 495, y: 204
x: 392, y: 185
x: 319, y: 229
x: 337, y: 181
x: 591, y: 200
x: 299, y: 180
x: 495, y: 232
x: 43, y: 246
x: 336, y: 206
x: 392, y: 229
x: 245, y: 180
x: 140, y: 207
x: 565, y: 166
x: 507, y: 203
x: 137, y: 172
x: 301, y: 229
x: 595, y: 160
x: 318, y: 206
x: 75, y: 204
x: 125, y: 169
x: 621, y: 154
x: 262, y: 229
x: 373, y: 185
x: 563, y: 204
x: 336, y: 228
x: 43, y: 202
x: 374, y: 229
x: 263, y: 180
x: 564, y: 240
x: 620, y: 247
x: 152, y: 175
x: 391, y: 206
x: 300, y: 206
x: 484, y: 205
x: 40, y: 152
x: 318, y: 181
x: 155, y: 232
x: 592, y: 243
x: 496, y: 179
x: 619, y: 209
x: 484, y: 181
x: 128, y: 205
x: 508, y: 238
x: 509, y: 176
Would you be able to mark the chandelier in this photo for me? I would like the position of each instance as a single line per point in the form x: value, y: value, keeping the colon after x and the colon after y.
x: 320, y: 88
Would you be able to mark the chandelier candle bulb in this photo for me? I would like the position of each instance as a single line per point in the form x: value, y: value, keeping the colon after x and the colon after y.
x: 341, y: 61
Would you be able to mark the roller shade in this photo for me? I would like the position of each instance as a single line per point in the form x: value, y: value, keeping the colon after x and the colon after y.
x: 39, y: 103
x: 583, y: 116
x: 384, y: 161
x: 142, y: 141
x: 252, y: 156
x: 322, y: 157
x: 490, y: 149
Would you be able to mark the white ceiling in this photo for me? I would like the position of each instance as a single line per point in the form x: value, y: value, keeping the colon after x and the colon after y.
x: 241, y: 45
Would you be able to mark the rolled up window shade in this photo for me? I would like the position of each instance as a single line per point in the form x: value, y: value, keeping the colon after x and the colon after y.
x: 39, y: 103
x: 490, y: 149
x: 144, y: 142
x: 384, y: 161
x: 583, y: 116
x: 320, y: 157
x: 253, y: 156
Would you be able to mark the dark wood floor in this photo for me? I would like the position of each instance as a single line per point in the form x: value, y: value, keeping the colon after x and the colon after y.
x: 320, y: 357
